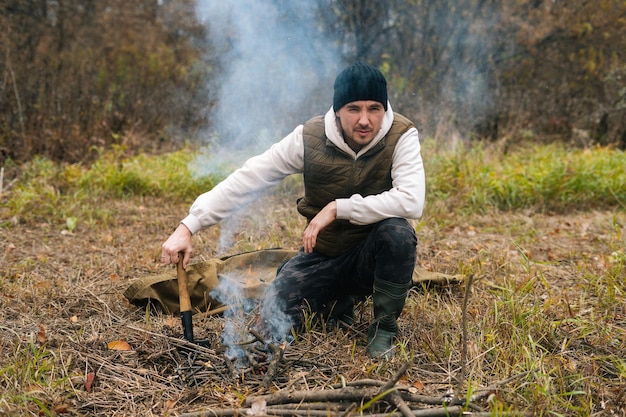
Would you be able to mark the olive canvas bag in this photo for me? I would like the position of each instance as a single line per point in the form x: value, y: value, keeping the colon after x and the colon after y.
x: 252, y: 272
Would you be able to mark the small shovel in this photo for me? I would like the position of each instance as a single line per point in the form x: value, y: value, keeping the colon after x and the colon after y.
x: 185, y: 304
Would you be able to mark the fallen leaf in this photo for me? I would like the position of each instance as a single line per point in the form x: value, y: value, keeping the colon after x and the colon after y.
x: 169, y: 404
x: 61, y: 408
x: 119, y: 345
x: 43, y: 285
x: 419, y: 385
x: 258, y: 408
x: 32, y: 388
x: 41, y: 334
x: 89, y: 379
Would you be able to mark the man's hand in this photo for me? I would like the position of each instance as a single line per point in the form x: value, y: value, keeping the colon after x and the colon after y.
x: 179, y: 241
x: 325, y: 217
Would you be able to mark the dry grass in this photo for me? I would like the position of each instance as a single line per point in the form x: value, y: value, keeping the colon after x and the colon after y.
x: 546, y: 318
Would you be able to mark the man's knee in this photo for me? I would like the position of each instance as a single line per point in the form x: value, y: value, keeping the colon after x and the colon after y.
x: 398, y: 235
x: 395, y: 251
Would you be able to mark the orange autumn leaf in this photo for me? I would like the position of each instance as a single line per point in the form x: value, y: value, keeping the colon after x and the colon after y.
x: 89, y: 378
x: 41, y: 334
x: 118, y: 345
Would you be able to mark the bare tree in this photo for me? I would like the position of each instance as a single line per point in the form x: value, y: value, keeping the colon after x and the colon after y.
x: 82, y: 72
x: 485, y: 68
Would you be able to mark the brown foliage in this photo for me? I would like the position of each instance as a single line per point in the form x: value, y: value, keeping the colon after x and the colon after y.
x: 488, y: 68
x: 565, y: 76
x: 80, y: 73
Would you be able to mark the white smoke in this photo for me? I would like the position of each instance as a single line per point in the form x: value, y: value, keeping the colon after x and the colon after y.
x: 275, y: 321
x: 277, y: 71
x: 235, y: 328
x: 241, y: 316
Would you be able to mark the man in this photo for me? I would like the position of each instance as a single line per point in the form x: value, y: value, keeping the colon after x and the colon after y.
x: 363, y: 177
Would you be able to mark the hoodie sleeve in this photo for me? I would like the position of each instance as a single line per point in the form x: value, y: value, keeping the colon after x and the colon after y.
x: 406, y: 197
x: 244, y: 185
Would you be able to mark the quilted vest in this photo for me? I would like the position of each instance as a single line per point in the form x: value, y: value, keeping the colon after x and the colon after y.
x: 330, y: 173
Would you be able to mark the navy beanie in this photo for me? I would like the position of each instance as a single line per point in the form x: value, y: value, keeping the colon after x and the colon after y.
x: 359, y: 82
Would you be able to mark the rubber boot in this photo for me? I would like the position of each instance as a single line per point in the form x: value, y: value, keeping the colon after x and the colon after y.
x: 388, y: 298
x: 343, y: 311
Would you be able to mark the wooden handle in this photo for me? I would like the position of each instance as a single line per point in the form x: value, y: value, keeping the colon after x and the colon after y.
x: 183, y: 292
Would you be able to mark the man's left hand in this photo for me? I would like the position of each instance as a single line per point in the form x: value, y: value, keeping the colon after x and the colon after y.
x: 325, y: 217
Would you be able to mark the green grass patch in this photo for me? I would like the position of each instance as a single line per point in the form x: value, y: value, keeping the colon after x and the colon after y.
x: 61, y: 193
x: 548, y: 178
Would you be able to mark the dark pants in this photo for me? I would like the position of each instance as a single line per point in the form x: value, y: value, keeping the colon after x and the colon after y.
x: 314, y: 281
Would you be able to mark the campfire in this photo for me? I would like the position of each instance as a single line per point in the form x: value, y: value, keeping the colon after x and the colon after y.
x: 256, y: 357
x: 251, y: 347
x: 241, y: 354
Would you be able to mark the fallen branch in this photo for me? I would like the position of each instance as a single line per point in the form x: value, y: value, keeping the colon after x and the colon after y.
x: 453, y: 411
x: 359, y: 383
x: 217, y: 310
x: 393, y: 381
x: 181, y: 343
x: 394, y: 396
x: 462, y: 375
x: 482, y: 393
x: 400, y: 404
x: 344, y: 394
x: 348, y: 393
x: 272, y: 369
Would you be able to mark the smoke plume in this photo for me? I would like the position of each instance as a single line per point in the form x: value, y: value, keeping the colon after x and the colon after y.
x: 276, y: 71
x: 272, y: 322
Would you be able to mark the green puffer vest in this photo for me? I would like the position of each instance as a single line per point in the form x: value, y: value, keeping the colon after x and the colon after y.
x: 330, y: 173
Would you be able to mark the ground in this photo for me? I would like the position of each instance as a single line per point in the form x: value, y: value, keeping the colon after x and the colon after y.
x: 62, y: 305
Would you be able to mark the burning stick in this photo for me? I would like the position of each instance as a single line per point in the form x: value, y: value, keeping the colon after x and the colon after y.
x: 257, y: 336
x: 255, y: 365
x: 272, y: 369
x: 231, y: 367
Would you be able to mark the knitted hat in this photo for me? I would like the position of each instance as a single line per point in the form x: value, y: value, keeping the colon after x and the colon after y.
x: 359, y: 82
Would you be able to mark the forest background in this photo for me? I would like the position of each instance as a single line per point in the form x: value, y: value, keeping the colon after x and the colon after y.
x: 80, y: 75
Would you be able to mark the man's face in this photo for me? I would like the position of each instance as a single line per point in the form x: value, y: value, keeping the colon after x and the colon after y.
x: 360, y: 121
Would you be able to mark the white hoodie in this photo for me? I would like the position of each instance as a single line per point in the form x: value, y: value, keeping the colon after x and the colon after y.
x: 405, y: 198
